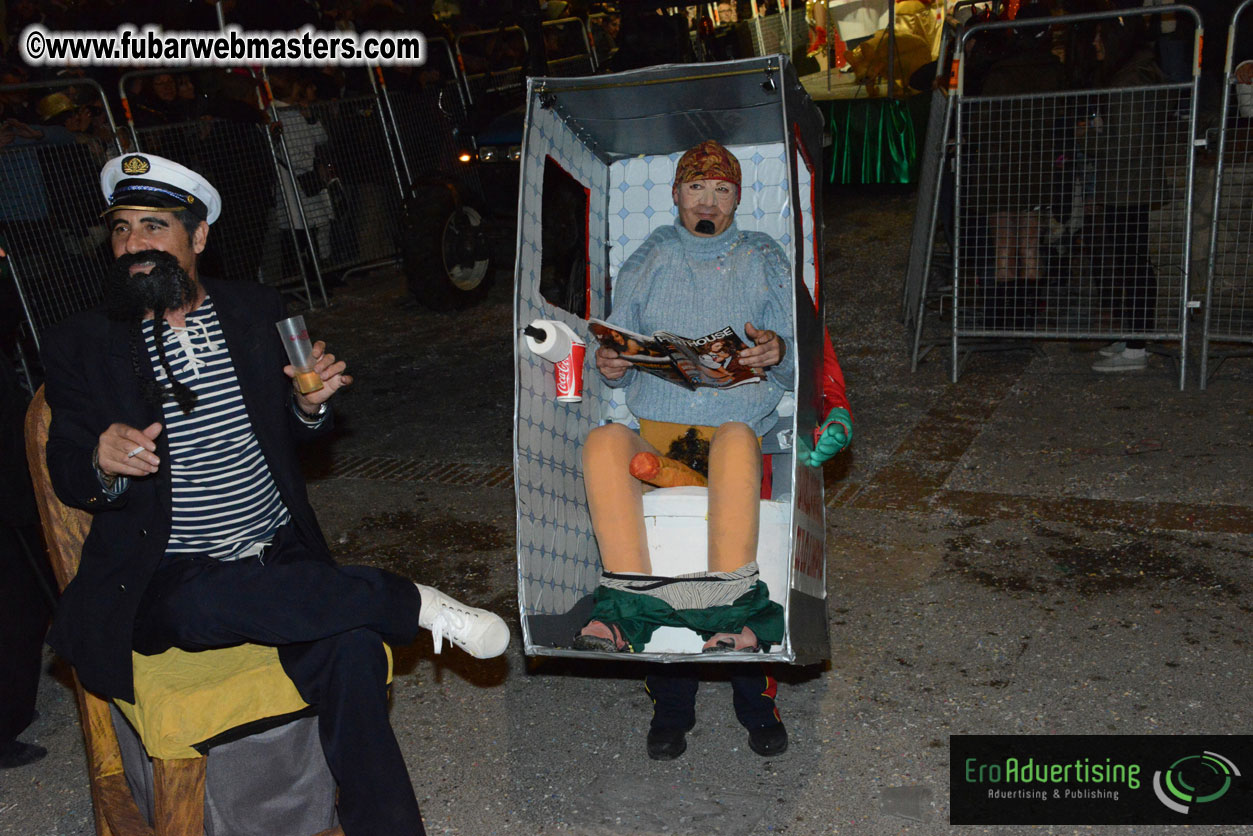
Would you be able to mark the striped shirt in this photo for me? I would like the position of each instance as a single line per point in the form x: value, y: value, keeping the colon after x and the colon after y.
x: 224, y: 498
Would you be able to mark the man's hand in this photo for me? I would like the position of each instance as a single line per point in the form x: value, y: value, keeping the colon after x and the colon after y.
x: 767, y: 352
x: 610, y: 364
x: 331, y: 372
x: 116, y: 451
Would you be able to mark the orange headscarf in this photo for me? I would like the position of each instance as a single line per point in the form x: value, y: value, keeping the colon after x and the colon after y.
x: 708, y: 161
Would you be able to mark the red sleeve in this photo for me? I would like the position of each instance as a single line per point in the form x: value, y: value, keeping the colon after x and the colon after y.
x: 832, y: 379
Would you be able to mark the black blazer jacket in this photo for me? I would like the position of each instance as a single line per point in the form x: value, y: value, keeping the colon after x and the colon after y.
x: 91, y: 383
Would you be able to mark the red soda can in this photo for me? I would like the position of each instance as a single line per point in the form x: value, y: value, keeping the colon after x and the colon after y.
x: 569, y: 373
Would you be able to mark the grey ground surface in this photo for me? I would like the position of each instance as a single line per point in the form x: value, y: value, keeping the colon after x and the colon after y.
x: 1033, y: 550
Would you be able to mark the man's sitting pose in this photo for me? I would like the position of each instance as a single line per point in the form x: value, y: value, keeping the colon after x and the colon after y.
x: 174, y: 424
x: 694, y: 277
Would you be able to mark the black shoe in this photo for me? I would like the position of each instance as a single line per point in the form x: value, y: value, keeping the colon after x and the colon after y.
x: 666, y: 744
x: 768, y: 741
x: 15, y: 753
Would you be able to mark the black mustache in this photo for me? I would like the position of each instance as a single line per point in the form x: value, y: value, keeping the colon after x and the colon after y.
x: 124, y: 262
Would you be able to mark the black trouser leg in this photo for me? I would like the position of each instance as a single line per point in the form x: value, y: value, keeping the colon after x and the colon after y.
x: 345, y: 677
x: 673, y: 690
x: 753, y: 694
x: 327, y: 622
x: 1129, y: 270
x: 284, y: 597
x: 24, y: 612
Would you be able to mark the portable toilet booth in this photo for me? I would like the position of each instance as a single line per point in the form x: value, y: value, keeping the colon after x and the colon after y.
x: 597, y: 165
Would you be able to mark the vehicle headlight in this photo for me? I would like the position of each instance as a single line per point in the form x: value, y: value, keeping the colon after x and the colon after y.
x: 489, y: 154
x: 514, y: 154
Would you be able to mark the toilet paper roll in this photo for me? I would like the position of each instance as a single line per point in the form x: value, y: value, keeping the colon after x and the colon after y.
x: 556, y: 342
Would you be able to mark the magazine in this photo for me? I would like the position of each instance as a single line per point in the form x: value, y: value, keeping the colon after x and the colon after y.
x: 711, y: 360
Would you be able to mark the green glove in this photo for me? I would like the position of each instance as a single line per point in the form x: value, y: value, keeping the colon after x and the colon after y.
x: 834, y: 435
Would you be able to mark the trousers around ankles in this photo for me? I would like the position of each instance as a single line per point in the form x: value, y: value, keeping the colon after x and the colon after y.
x: 329, y: 623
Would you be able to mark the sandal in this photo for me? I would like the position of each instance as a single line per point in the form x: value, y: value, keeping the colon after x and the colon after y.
x: 613, y: 642
x: 745, y: 640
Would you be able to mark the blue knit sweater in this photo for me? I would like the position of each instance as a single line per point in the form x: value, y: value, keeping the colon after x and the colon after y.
x: 692, y: 285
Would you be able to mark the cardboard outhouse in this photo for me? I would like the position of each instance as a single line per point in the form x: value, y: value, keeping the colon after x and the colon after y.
x: 598, y: 159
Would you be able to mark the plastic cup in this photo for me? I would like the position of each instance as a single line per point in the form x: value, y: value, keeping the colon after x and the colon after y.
x: 569, y: 373
x: 300, y: 353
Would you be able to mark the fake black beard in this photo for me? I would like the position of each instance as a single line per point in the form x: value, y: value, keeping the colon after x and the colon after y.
x: 705, y: 227
x: 164, y: 288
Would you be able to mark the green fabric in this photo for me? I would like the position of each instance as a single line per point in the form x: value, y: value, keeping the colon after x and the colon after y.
x: 639, y: 615
x: 873, y: 141
x: 835, y: 435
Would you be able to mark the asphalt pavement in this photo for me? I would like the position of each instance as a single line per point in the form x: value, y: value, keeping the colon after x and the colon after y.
x: 1036, y: 549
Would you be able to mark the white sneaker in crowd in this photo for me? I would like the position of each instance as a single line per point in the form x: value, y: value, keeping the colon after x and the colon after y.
x: 1129, y: 360
x: 478, y: 632
x: 1113, y: 348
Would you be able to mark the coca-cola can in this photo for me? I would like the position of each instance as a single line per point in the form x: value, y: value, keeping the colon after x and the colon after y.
x: 569, y: 373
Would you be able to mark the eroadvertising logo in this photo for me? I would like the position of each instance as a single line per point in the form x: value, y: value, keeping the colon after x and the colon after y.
x: 1210, y: 773
x: 1100, y: 779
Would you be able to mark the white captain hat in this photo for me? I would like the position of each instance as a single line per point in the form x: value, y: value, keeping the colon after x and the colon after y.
x: 146, y: 181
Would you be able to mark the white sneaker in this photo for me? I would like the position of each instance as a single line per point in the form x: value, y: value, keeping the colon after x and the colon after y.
x: 478, y: 632
x: 1129, y: 360
x: 1113, y: 348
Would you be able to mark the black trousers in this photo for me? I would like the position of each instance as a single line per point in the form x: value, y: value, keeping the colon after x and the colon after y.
x: 673, y: 690
x: 1125, y: 269
x: 329, y: 624
x: 24, y: 613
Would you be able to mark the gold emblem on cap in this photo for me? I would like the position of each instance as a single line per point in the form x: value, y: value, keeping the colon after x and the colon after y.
x: 191, y: 199
x: 135, y: 164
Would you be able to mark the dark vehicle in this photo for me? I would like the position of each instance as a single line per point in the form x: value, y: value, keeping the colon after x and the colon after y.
x: 460, y: 217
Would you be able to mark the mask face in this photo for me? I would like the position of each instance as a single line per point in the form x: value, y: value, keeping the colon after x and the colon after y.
x: 706, y: 207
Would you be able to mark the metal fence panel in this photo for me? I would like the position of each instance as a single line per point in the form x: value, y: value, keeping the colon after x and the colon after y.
x: 1229, y: 289
x: 568, y: 48
x: 921, y: 267
x: 1073, y: 208
x: 50, y: 205
x: 51, y: 228
x: 777, y: 34
x: 236, y: 158
x: 494, y: 63
x: 428, y: 120
x: 357, y: 215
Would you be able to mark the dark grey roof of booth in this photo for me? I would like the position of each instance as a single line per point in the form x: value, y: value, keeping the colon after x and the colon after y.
x: 675, y: 106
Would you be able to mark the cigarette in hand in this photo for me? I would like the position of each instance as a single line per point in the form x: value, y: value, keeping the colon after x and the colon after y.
x: 133, y: 453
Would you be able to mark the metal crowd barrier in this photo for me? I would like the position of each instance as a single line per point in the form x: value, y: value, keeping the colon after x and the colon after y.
x: 571, y: 53
x: 1229, y: 287
x: 1072, y: 209
x: 426, y: 120
x: 928, y: 269
x: 50, y: 223
x: 357, y: 215
x: 256, y: 237
x: 493, y: 62
x: 779, y: 32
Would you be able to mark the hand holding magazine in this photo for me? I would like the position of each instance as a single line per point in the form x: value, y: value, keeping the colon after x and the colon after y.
x: 711, y: 360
